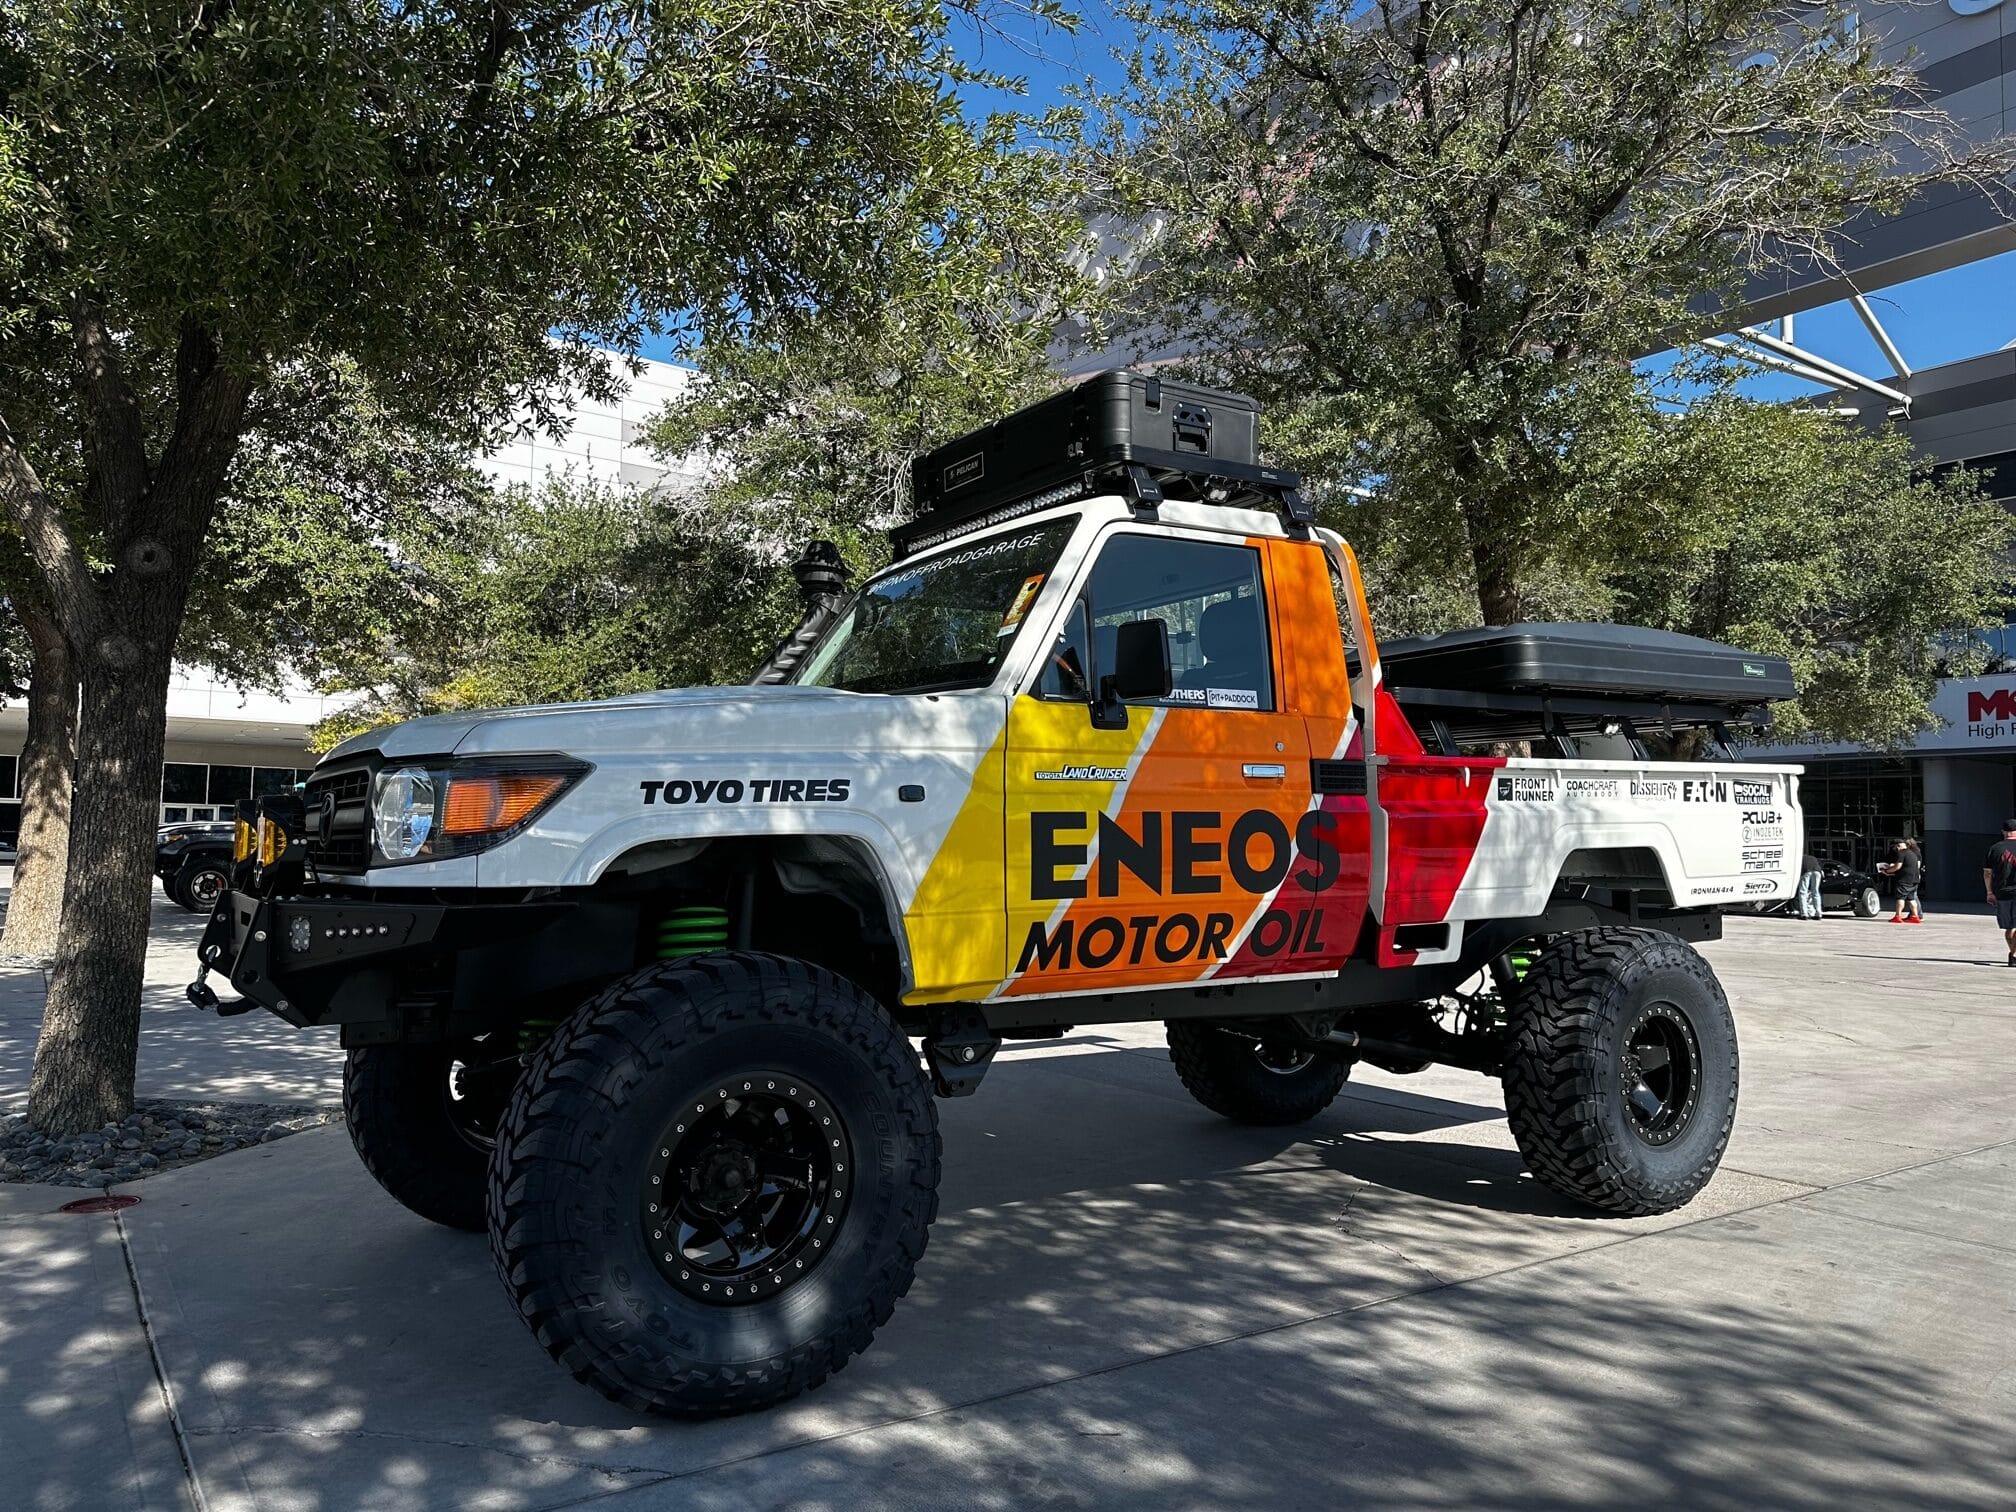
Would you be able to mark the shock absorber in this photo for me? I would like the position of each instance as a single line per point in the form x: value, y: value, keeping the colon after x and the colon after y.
x: 691, y: 930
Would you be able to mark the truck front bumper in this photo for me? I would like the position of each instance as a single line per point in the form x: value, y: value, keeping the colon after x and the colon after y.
x: 338, y: 960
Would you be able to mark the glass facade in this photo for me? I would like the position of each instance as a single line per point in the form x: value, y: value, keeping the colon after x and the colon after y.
x: 194, y: 790
x: 1857, y: 809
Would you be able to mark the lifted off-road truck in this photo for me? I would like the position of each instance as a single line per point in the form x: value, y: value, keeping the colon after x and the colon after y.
x: 639, y: 986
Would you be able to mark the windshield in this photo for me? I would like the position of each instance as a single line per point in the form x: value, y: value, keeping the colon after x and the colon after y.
x: 946, y: 622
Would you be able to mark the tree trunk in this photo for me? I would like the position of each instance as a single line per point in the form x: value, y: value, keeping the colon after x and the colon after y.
x: 48, y: 762
x: 84, y: 1061
x: 1498, y: 596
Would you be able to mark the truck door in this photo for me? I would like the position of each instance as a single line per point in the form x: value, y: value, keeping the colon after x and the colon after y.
x: 1180, y: 845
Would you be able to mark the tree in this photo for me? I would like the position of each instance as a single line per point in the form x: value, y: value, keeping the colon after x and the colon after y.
x: 1796, y: 534
x: 1441, y: 231
x: 199, y: 200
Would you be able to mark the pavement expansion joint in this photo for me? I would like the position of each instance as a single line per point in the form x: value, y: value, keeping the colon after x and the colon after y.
x: 528, y: 1456
x: 161, y: 1381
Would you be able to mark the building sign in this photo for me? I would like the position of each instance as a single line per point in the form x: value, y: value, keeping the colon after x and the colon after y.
x: 1978, y: 718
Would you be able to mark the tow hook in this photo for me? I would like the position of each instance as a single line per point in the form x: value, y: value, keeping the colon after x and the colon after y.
x: 959, y: 1049
x: 199, y: 993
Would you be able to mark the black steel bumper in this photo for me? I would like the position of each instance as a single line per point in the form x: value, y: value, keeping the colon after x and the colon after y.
x: 337, y: 960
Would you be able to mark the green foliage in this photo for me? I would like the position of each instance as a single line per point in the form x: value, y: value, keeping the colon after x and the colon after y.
x: 576, y: 590
x: 1451, y: 224
x: 1796, y: 534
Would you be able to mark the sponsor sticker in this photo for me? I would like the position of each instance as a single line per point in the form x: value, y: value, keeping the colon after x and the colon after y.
x: 731, y: 790
x: 1520, y: 787
x: 1770, y: 858
x: 1231, y: 698
x: 1751, y: 889
x: 1763, y: 824
x: 1084, y: 774
x: 1660, y: 788
x: 1593, y: 787
x: 1024, y: 597
x: 1715, y: 892
x: 1755, y: 794
x: 1699, y: 790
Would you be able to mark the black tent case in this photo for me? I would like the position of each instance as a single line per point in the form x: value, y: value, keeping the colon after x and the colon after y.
x: 1618, y: 661
x: 1177, y: 432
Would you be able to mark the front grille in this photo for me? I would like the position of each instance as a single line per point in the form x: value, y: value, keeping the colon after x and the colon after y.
x: 339, y: 834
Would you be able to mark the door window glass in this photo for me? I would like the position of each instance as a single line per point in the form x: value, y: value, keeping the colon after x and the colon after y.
x: 1209, y: 598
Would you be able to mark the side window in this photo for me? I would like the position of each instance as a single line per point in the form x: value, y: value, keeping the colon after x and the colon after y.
x: 1066, y: 673
x: 1210, y: 599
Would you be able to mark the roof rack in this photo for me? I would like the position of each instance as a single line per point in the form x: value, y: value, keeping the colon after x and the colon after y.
x: 1130, y: 433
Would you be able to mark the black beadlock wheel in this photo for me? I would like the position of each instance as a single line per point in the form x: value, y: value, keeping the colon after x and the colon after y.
x: 1253, y: 1080
x: 1621, y: 1070
x: 713, y: 1183
x: 422, y: 1128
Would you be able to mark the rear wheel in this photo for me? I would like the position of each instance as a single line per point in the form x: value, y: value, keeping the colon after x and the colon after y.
x: 1621, y: 1070
x: 714, y: 1183
x: 423, y: 1119
x: 1253, y: 1080
x: 1867, y: 903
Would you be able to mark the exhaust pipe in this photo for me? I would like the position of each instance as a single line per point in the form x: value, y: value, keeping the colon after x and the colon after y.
x: 822, y: 588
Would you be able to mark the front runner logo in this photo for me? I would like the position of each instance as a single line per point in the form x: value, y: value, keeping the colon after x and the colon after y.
x: 1522, y: 789
x: 1084, y: 774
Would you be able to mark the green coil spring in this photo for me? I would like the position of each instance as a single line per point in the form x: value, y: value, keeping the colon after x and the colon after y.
x: 691, y: 930
x: 1522, y: 963
x: 532, y: 1033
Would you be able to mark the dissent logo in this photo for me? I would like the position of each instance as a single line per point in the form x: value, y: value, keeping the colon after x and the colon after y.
x: 1654, y: 788
x: 731, y: 790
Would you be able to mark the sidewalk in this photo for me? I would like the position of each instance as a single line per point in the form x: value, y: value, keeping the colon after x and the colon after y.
x: 1128, y: 1303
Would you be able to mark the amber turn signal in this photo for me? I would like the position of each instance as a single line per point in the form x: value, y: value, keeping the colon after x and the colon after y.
x: 241, y: 840
x: 481, y: 805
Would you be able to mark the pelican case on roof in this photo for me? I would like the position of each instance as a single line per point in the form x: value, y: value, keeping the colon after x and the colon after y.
x: 1179, y: 433
x: 1611, y: 660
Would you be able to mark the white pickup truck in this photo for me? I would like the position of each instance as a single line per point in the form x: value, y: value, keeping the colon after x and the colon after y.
x: 634, y: 984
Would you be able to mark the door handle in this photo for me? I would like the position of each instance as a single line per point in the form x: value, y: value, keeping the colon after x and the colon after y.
x: 1266, y: 769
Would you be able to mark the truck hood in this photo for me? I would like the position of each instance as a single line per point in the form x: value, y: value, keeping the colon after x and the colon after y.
x: 674, y: 719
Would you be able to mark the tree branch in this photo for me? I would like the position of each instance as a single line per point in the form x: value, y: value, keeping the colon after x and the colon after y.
x: 116, y: 445
x: 66, y: 578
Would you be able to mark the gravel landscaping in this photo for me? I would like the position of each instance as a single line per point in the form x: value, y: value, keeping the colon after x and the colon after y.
x: 160, y: 1135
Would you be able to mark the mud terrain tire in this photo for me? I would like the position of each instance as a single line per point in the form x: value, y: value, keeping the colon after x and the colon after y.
x: 397, y: 1101
x: 199, y: 883
x: 1621, y: 1071
x: 727, y: 1049
x: 1233, y: 1077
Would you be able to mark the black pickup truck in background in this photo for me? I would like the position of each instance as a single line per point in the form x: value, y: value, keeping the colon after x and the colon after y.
x: 193, y: 862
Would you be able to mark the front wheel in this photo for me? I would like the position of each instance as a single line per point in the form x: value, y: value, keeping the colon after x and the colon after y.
x: 714, y: 1182
x: 1252, y: 1080
x: 199, y: 884
x: 1621, y: 1070
x: 1867, y: 903
x: 422, y: 1118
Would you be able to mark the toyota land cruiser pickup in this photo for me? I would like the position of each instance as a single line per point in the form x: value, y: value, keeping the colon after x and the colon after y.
x: 658, y: 990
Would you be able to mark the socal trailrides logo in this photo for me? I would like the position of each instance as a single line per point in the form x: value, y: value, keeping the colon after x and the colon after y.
x: 1084, y: 774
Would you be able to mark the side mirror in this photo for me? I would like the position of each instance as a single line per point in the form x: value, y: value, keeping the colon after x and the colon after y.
x: 1140, y: 670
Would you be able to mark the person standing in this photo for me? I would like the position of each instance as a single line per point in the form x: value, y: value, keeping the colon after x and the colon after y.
x: 1906, y: 872
x: 1810, y: 867
x: 1999, y: 878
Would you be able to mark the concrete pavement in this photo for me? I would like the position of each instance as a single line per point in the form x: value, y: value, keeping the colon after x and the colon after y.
x: 1128, y: 1302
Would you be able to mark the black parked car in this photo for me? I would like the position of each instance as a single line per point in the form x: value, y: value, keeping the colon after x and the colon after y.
x: 193, y: 862
x: 1841, y: 886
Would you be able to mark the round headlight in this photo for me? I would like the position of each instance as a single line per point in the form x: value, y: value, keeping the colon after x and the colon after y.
x: 402, y: 812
